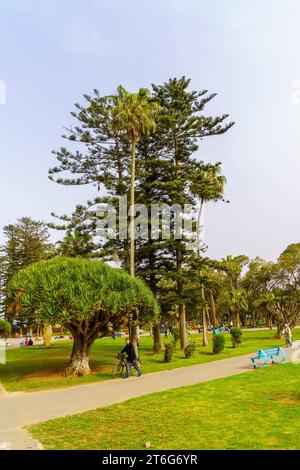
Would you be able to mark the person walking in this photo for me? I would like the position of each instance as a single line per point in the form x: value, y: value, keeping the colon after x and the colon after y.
x: 131, y: 359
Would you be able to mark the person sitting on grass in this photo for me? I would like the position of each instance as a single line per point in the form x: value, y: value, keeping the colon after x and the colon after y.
x: 131, y: 359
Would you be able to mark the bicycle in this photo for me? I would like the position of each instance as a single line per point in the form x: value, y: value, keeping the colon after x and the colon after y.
x: 119, y: 368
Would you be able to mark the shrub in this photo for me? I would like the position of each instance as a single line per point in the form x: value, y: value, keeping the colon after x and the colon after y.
x: 176, y: 334
x: 236, y: 336
x: 169, y: 349
x: 5, y: 328
x: 190, y: 349
x: 218, y: 343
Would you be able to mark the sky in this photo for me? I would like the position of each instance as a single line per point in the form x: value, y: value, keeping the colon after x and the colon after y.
x: 51, y: 52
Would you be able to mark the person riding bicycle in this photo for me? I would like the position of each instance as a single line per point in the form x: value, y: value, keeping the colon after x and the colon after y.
x: 288, y: 335
x: 131, y: 359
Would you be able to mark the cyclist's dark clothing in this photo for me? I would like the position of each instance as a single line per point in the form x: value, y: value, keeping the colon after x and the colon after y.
x: 130, y: 353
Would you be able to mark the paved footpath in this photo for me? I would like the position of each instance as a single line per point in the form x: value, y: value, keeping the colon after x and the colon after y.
x: 20, y: 409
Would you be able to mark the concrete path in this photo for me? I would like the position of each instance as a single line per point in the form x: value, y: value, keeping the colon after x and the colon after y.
x: 21, y: 409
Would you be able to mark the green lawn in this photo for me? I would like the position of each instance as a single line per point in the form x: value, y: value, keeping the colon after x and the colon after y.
x: 257, y: 410
x: 37, y: 368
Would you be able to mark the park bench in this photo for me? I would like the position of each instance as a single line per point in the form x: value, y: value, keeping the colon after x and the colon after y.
x: 277, y: 356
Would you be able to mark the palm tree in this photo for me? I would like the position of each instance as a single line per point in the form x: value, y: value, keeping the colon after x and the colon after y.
x: 207, y: 185
x: 134, y: 115
x: 237, y: 303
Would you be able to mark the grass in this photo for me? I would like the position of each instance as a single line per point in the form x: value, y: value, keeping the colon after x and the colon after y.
x: 257, y: 410
x: 37, y: 368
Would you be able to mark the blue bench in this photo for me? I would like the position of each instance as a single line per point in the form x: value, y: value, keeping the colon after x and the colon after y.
x: 277, y: 356
x: 222, y: 329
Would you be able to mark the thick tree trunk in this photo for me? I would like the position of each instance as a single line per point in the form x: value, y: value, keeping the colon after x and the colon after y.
x: 133, y: 337
x: 47, y: 335
x: 79, y: 361
x: 237, y: 320
x: 182, y: 327
x: 270, y: 321
x: 157, y: 342
x: 279, y: 331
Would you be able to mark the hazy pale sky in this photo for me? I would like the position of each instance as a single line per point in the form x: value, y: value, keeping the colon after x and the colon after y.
x: 51, y: 52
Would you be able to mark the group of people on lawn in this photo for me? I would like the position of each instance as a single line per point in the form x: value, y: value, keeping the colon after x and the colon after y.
x: 26, y: 342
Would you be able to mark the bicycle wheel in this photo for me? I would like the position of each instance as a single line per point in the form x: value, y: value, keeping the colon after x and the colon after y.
x: 118, y: 370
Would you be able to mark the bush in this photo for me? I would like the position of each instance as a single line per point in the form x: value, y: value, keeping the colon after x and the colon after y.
x: 176, y: 334
x: 190, y: 349
x: 218, y: 343
x: 169, y: 349
x: 236, y: 336
x: 5, y: 328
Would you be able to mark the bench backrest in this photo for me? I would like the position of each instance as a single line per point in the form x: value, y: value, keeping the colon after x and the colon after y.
x: 269, y: 352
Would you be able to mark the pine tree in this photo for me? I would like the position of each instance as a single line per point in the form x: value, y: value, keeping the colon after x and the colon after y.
x: 76, y: 243
x: 27, y: 241
x: 179, y: 130
x: 164, y: 172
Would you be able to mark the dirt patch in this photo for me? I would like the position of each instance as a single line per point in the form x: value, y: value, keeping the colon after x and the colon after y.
x: 287, y: 398
x: 44, y: 374
x: 102, y: 368
x: 48, y: 374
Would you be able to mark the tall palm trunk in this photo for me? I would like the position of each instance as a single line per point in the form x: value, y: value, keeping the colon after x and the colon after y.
x: 200, y: 226
x: 132, y: 200
x: 205, y: 340
x: 199, y: 240
x: 213, y: 310
x: 181, y: 309
x: 133, y: 336
x: 182, y: 327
